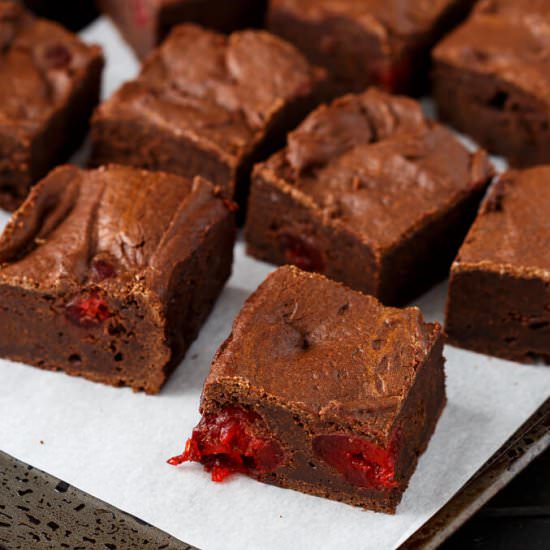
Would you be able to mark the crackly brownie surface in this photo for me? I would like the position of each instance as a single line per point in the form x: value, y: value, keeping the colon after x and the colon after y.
x: 102, y: 267
x: 371, y: 166
x: 312, y: 373
x: 361, y: 43
x: 500, y: 282
x: 207, y: 89
x: 49, y: 83
x: 145, y: 23
x: 492, y: 78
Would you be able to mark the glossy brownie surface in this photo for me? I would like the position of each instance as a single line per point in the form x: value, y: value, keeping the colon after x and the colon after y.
x: 207, y: 89
x: 492, y: 79
x: 111, y: 262
x: 323, y: 390
x: 45, y: 72
x: 499, y: 293
x: 371, y: 168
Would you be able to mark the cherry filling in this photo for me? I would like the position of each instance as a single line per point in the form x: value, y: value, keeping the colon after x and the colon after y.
x: 301, y: 252
x: 228, y: 442
x: 141, y: 12
x: 394, y: 78
x: 88, y: 311
x: 360, y: 461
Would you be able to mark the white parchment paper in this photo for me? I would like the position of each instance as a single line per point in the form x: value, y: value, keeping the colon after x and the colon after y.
x: 113, y: 443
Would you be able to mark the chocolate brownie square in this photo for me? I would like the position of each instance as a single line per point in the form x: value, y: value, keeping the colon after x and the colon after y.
x: 49, y: 85
x: 491, y: 79
x: 145, y: 23
x: 109, y: 274
x: 499, y: 295
x: 70, y: 13
x: 369, y: 42
x: 370, y: 193
x: 323, y: 390
x: 204, y: 105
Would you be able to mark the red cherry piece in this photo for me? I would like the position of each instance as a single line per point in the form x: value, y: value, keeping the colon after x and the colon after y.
x: 102, y: 269
x: 141, y: 12
x: 227, y: 443
x: 361, y: 462
x: 301, y: 252
x: 88, y: 311
x: 393, y: 79
x: 58, y: 56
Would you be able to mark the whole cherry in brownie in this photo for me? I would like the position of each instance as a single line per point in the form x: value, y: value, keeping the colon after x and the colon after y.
x: 370, y: 193
x: 385, y: 43
x: 145, y: 23
x: 49, y: 85
x: 204, y: 105
x: 491, y: 79
x: 323, y: 390
x: 499, y: 294
x: 109, y: 274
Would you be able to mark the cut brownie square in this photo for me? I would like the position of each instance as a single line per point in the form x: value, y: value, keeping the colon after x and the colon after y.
x: 499, y: 295
x: 69, y: 13
x: 382, y: 42
x: 491, y: 79
x: 322, y: 389
x: 369, y: 192
x: 109, y: 274
x: 49, y: 85
x: 204, y: 105
x: 145, y: 23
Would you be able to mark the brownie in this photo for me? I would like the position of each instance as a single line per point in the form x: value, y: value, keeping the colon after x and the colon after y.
x: 368, y: 42
x: 369, y: 192
x: 49, y: 86
x: 109, y: 274
x: 323, y: 390
x: 492, y: 79
x: 499, y: 294
x: 71, y: 14
x: 145, y: 23
x: 203, y: 105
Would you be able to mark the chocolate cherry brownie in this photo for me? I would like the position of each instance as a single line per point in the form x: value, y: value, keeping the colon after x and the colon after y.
x: 204, y: 105
x: 73, y: 15
x: 499, y: 295
x: 49, y: 85
x: 369, y: 192
x: 109, y: 274
x: 322, y: 389
x: 145, y: 23
x: 492, y: 80
x: 382, y: 42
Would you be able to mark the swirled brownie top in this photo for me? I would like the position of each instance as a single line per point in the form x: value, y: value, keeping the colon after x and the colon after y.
x: 40, y: 64
x: 115, y: 227
x: 512, y: 231
x: 508, y: 38
x: 375, y: 165
x: 221, y: 91
x: 352, y: 359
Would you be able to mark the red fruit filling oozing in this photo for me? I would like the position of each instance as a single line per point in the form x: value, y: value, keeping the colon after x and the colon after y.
x: 228, y: 442
x: 360, y: 461
x: 88, y: 311
x: 58, y: 56
x: 394, y: 78
x: 301, y: 252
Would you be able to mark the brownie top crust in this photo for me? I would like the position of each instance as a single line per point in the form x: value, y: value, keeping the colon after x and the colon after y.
x: 335, y: 354
x: 39, y: 63
x: 375, y: 165
x: 116, y: 228
x: 387, y: 19
x: 221, y: 91
x: 508, y: 38
x: 512, y: 231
